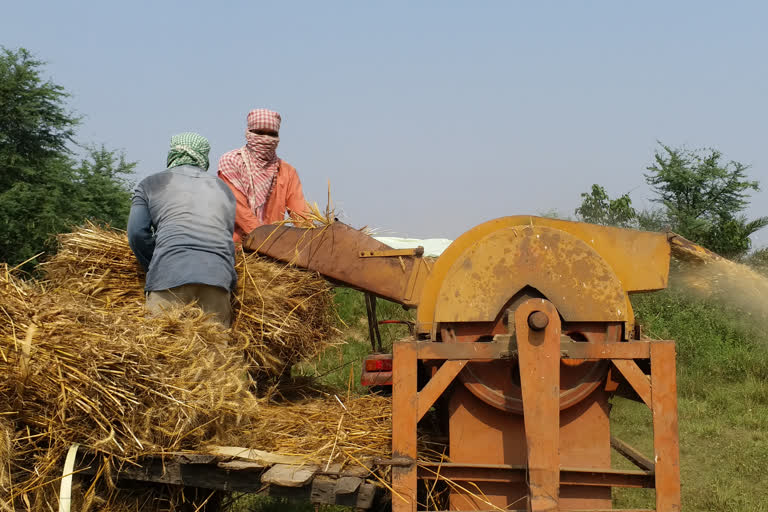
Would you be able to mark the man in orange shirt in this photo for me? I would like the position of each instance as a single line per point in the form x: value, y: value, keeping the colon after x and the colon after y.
x: 264, y: 186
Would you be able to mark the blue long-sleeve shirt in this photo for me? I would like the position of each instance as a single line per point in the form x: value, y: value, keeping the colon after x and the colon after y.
x: 180, y: 229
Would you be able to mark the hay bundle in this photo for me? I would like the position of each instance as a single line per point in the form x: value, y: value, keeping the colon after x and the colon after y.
x: 98, y: 264
x: 132, y: 384
x: 326, y: 429
x: 286, y: 313
x: 122, y: 384
x: 80, y: 362
x: 7, y: 436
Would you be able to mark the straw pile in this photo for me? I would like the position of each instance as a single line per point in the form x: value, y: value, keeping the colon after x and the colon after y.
x: 97, y: 264
x: 326, y: 429
x: 80, y: 362
x: 6, y: 457
x: 286, y: 314
x: 122, y: 384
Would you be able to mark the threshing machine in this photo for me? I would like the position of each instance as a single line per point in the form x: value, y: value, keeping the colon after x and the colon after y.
x: 524, y: 331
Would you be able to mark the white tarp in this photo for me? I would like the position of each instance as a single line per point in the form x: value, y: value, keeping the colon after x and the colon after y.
x: 432, y: 246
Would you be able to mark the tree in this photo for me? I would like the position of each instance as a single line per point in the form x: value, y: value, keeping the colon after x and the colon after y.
x: 44, y: 190
x: 103, y: 188
x: 34, y: 125
x: 597, y: 208
x: 703, y: 198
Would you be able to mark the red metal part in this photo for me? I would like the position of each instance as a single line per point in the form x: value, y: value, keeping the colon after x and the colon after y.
x: 377, y: 374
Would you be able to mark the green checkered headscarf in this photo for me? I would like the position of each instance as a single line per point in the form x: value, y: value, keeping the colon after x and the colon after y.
x: 189, y: 149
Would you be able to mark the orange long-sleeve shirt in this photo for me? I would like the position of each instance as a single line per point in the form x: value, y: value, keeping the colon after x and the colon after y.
x: 286, y: 194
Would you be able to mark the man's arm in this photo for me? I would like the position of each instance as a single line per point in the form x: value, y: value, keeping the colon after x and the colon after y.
x: 140, y: 236
x: 294, y: 198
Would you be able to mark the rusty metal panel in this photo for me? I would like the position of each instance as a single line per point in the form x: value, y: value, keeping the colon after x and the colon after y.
x: 636, y: 378
x: 481, y: 434
x: 633, y: 455
x: 665, y: 435
x: 507, y: 473
x: 619, y: 350
x: 437, y: 385
x: 335, y: 251
x: 404, y: 421
x: 684, y: 249
x: 640, y: 260
x: 457, y: 351
x: 538, y: 342
x: 507, y: 350
x: 558, y: 265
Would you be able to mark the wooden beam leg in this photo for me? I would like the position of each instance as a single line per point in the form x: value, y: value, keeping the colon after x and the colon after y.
x: 665, y: 435
x: 404, y: 420
x: 539, y: 357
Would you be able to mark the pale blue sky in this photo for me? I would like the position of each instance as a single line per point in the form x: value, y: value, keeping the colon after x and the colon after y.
x: 427, y: 118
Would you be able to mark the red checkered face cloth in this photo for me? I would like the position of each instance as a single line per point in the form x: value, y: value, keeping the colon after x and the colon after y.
x: 253, y: 168
x: 263, y: 119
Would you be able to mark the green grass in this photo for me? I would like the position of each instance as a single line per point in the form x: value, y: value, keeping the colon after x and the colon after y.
x: 722, y: 396
x: 722, y: 405
x: 260, y: 503
x: 342, y: 364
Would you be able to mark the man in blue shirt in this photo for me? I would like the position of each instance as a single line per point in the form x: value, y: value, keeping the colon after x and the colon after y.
x: 180, y: 229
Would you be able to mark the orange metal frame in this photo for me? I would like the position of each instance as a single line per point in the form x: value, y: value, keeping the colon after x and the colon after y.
x: 586, y: 270
x: 538, y: 350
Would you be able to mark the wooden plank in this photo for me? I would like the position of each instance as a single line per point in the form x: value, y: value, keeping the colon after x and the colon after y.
x: 239, y: 465
x: 366, y: 495
x: 348, y: 485
x: 639, y: 381
x: 287, y: 475
x: 357, y: 471
x: 194, y: 458
x: 340, y: 470
x: 333, y: 469
x: 209, y: 476
x: 437, y: 384
x: 267, y: 458
x: 246, y: 476
x: 154, y: 471
x: 665, y: 435
x: 323, y: 490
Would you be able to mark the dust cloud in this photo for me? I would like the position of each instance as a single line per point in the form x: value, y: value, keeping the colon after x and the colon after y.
x: 733, y: 285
